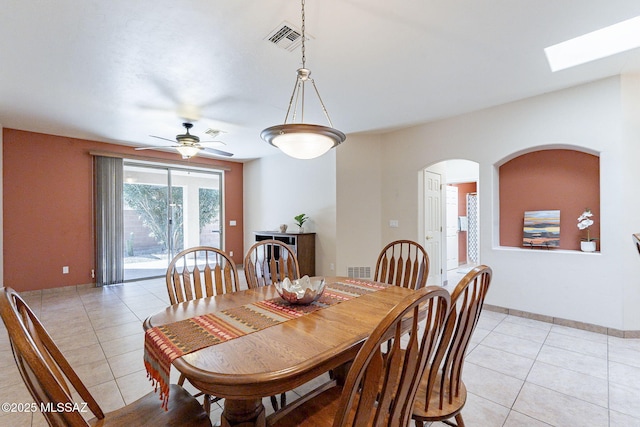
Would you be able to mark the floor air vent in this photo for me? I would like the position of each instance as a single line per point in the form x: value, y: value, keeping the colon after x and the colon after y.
x: 359, y: 272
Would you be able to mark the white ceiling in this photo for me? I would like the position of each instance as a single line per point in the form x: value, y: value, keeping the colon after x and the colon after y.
x: 121, y: 70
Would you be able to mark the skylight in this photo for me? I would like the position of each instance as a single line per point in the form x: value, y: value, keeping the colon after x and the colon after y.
x: 598, y: 44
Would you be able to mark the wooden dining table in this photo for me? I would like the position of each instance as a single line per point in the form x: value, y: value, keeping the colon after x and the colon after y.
x: 278, y: 358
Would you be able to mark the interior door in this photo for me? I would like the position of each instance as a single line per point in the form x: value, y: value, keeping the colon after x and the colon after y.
x: 451, y: 225
x: 433, y: 224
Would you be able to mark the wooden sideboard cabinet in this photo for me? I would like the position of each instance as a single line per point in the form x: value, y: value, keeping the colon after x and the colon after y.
x: 303, y: 244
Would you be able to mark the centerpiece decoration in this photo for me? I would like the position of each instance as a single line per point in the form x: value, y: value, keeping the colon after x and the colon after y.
x: 301, y: 291
x: 587, y: 244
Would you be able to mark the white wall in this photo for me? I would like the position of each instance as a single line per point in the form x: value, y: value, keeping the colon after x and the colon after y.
x: 359, y: 217
x: 278, y: 187
x: 1, y: 207
x: 572, y: 285
x: 630, y: 221
x: 460, y: 171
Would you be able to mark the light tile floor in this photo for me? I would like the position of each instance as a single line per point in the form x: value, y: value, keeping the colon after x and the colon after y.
x: 519, y: 372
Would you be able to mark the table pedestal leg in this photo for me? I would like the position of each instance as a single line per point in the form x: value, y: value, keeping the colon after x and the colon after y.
x: 243, y: 413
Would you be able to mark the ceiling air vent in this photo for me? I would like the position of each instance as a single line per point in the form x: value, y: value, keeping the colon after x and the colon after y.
x: 213, y: 132
x: 286, y: 36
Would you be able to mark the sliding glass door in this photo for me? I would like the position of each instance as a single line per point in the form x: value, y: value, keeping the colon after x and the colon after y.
x: 166, y: 210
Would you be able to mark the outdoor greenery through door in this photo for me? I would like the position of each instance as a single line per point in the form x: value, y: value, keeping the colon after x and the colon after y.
x: 166, y: 210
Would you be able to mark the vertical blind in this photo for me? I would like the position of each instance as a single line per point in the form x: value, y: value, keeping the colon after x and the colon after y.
x: 109, y: 220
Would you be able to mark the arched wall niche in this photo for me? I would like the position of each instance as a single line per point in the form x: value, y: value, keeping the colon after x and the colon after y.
x: 545, y: 147
x: 550, y: 177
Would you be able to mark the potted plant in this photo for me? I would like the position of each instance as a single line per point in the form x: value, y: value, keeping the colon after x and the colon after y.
x: 584, y: 222
x: 300, y: 220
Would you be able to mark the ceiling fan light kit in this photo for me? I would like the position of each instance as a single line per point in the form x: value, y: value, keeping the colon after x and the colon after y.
x: 188, y: 151
x: 302, y: 140
x: 187, y: 147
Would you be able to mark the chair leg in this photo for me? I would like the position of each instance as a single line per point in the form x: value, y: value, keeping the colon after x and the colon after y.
x: 459, y: 421
x: 419, y: 423
x: 206, y: 403
x: 274, y: 403
x: 283, y: 400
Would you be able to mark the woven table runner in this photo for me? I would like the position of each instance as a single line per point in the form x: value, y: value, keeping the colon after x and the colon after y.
x: 163, y: 344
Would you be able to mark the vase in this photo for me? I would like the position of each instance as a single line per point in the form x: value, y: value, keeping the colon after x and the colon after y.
x: 301, y: 229
x: 588, y: 246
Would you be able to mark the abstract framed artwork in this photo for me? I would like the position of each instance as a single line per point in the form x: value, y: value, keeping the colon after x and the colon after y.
x: 541, y: 228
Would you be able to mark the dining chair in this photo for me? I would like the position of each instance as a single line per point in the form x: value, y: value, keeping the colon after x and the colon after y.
x: 53, y: 383
x: 270, y: 261
x: 442, y: 393
x: 266, y: 262
x: 403, y: 263
x: 381, y: 385
x: 200, y: 271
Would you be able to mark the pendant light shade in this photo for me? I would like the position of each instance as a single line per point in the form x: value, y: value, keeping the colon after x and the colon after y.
x: 298, y: 139
x: 303, y: 141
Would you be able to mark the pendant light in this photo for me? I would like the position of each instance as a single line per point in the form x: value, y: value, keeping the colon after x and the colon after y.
x: 302, y: 140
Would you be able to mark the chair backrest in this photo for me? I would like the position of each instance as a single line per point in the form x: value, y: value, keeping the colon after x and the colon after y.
x: 198, y: 272
x: 467, y: 300
x: 270, y: 261
x: 403, y: 263
x: 381, y: 387
x: 42, y: 365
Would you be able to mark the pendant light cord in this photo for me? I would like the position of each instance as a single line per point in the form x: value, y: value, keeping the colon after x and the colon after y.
x: 303, y: 140
x: 298, y: 89
x: 304, y: 57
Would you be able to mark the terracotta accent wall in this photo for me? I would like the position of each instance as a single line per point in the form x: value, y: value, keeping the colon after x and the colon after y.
x: 547, y: 180
x: 48, y: 207
x: 463, y: 190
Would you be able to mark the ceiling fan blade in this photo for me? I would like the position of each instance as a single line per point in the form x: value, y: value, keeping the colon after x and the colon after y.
x: 156, y: 148
x: 165, y: 139
x: 213, y: 143
x: 218, y: 152
x: 159, y: 147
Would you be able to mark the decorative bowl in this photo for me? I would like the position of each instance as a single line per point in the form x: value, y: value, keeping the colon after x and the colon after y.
x: 301, y: 291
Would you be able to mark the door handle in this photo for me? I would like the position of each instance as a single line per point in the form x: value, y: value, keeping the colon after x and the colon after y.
x: 428, y: 237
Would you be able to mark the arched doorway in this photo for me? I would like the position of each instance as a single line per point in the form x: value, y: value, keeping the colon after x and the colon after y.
x: 450, y: 220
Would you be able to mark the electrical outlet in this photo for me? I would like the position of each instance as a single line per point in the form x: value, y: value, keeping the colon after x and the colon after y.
x: 65, y: 269
x: 230, y: 253
x: 393, y: 223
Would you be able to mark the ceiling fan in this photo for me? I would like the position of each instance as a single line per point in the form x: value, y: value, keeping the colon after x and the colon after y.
x: 189, y: 145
